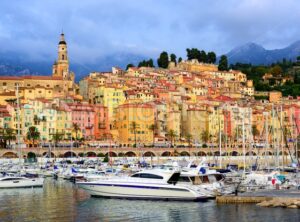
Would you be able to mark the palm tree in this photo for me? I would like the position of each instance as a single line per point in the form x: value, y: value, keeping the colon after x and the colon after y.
x: 172, y: 135
x: 56, y: 137
x: 133, y: 127
x: 153, y: 128
x: 76, y: 128
x: 33, y: 134
x: 9, y: 134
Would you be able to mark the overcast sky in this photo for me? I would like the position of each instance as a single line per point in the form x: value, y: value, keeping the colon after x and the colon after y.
x: 95, y: 28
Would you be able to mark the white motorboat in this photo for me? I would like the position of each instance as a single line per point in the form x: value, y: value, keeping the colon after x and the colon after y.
x: 20, y: 182
x: 148, y: 184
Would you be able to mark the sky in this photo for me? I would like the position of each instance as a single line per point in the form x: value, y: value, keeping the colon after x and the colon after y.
x: 98, y: 28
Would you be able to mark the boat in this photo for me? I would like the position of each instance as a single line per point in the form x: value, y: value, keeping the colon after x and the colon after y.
x: 20, y: 182
x: 147, y: 184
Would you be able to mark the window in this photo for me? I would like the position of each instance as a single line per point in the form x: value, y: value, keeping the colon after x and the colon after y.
x: 4, y: 84
x: 147, y: 175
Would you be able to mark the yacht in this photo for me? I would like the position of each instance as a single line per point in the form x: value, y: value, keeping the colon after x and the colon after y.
x: 147, y: 184
x: 20, y: 182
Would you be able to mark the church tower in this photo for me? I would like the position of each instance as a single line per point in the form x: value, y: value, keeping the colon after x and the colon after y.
x: 61, y: 65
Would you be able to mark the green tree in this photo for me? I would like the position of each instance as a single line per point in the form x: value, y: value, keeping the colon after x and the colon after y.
x: 76, y: 129
x: 179, y: 60
x: 33, y: 134
x: 163, y: 60
x: 202, y: 56
x: 57, y: 137
x: 133, y: 127
x: 205, y: 136
x: 172, y: 135
x: 192, y: 53
x: 223, y: 63
x: 276, y: 70
x: 9, y: 134
x: 211, y: 57
x: 173, y: 58
x: 129, y: 66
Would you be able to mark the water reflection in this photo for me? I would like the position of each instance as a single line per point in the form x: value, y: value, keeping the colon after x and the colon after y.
x: 62, y: 201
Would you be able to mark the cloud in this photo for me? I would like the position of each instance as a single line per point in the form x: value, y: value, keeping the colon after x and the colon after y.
x: 96, y: 28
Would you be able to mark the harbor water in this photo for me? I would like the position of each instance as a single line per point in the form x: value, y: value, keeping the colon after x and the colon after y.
x: 60, y: 200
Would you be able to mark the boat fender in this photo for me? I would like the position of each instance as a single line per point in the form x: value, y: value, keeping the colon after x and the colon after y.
x: 202, y: 170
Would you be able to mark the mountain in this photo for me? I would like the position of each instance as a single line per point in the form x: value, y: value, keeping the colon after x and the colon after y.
x: 15, y: 64
x: 256, y: 54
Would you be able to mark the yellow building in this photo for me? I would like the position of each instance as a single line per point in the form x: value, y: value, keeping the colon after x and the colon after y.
x: 196, y: 124
x: 133, y: 122
x: 195, y: 66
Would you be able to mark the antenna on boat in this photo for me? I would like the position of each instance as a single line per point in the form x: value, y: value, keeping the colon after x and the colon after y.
x: 18, y: 124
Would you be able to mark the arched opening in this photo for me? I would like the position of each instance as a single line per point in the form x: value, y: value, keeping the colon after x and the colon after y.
x: 209, y: 154
x: 149, y: 154
x: 121, y: 154
x: 31, y: 155
x: 166, y: 153
x: 225, y: 154
x: 130, y: 154
x: 70, y: 154
x: 81, y: 154
x: 91, y: 154
x: 100, y: 155
x: 267, y: 153
x: 47, y: 155
x: 10, y: 155
x: 184, y: 153
x: 234, y: 153
x: 111, y: 154
x: 201, y: 153
x: 250, y: 153
x: 217, y: 153
x: 284, y: 153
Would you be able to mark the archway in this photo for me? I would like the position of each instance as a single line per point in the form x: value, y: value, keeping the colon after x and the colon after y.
x: 184, y: 153
x: 70, y: 154
x: 31, y: 155
x: 166, y: 153
x: 217, y: 153
x: 81, y: 154
x: 250, y: 153
x: 130, y: 154
x: 10, y: 155
x: 225, y: 154
x: 91, y: 154
x: 121, y: 154
x: 234, y: 153
x: 284, y: 153
x: 111, y: 154
x: 201, y: 153
x: 267, y: 153
x: 100, y: 155
x: 149, y: 154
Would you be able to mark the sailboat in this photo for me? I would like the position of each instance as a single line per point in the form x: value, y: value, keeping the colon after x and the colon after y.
x: 18, y: 181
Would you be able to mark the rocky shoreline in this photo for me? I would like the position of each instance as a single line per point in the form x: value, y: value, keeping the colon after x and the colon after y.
x: 281, y: 202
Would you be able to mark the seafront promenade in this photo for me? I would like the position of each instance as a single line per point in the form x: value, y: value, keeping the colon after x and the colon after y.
x: 229, y: 155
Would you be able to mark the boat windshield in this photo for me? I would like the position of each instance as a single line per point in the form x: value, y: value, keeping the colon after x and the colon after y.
x: 174, y: 178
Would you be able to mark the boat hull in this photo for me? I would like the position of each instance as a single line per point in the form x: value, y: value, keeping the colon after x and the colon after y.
x: 36, y: 182
x: 142, y: 191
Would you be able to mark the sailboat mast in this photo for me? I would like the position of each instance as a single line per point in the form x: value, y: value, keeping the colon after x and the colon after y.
x: 18, y: 124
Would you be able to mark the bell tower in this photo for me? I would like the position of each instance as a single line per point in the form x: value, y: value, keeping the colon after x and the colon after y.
x: 61, y: 65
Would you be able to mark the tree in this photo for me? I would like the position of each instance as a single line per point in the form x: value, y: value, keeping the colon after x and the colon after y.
x: 179, y: 60
x: 172, y: 135
x: 163, y: 60
x: 202, y: 56
x: 205, y: 136
x: 276, y: 70
x: 56, y: 137
x: 173, y: 58
x: 153, y: 128
x: 189, y: 138
x: 223, y: 63
x: 33, y: 134
x: 193, y: 53
x: 146, y: 63
x: 9, y: 134
x: 76, y: 128
x: 129, y: 66
x: 211, y: 57
x: 133, y: 127
x: 255, y: 131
